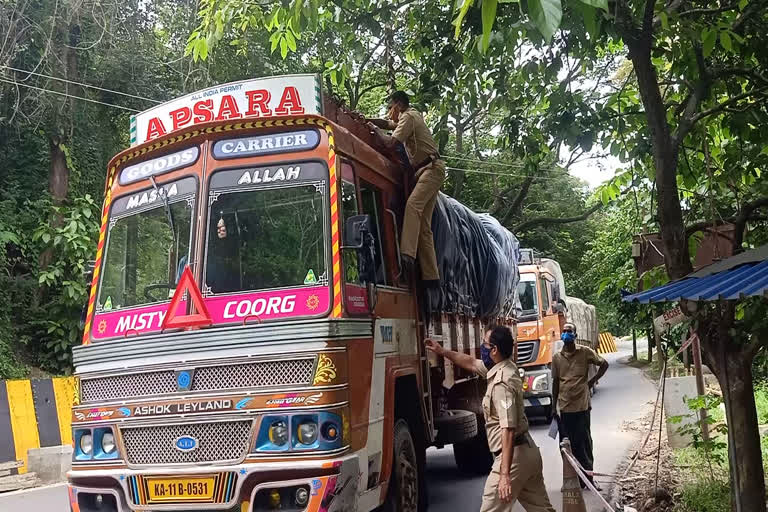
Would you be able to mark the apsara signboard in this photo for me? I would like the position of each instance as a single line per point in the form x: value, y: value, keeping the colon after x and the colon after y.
x: 248, y: 99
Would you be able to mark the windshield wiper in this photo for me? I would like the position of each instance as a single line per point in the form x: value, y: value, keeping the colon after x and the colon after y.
x: 168, y: 212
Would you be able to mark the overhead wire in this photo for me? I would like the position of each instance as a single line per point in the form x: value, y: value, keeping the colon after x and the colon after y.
x: 453, y: 157
x: 511, y: 175
x: 485, y: 162
x: 81, y: 84
x: 12, y: 82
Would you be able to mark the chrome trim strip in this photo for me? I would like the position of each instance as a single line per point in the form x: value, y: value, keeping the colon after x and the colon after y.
x: 133, y: 352
x: 183, y: 364
x: 130, y: 422
x: 305, y: 454
x: 259, y: 467
x: 89, y: 463
x: 198, y: 395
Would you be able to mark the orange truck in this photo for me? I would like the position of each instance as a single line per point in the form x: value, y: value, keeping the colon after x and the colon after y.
x: 544, y: 309
x: 250, y: 343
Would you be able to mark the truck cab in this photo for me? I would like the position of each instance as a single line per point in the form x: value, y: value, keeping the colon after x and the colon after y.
x: 541, y: 319
x: 545, y: 308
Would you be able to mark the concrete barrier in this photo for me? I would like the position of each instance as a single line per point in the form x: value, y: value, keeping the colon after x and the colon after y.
x: 606, y: 343
x: 50, y: 463
x: 50, y: 498
x: 677, y: 390
x: 35, y: 414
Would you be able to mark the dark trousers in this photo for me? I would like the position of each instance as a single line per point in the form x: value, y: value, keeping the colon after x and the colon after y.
x: 576, y: 427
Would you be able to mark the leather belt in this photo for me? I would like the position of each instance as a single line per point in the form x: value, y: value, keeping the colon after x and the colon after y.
x: 519, y: 439
x: 427, y: 161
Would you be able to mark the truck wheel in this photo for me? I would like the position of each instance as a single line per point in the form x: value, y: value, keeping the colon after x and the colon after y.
x: 474, y: 456
x: 455, y: 426
x: 403, y: 490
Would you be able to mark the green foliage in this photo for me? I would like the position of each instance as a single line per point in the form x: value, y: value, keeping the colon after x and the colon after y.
x: 704, y: 496
x: 605, y: 267
x: 705, y: 485
x: 546, y: 15
x: 70, y: 240
x: 715, y: 447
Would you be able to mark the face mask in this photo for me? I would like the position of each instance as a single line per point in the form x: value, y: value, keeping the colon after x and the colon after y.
x: 568, y: 337
x: 485, y: 355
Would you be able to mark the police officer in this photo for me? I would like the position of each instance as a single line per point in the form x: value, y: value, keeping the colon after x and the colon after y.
x: 517, y: 468
x: 411, y: 130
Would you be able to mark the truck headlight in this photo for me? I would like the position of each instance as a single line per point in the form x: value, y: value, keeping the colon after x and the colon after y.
x: 108, y: 442
x: 278, y: 433
x: 540, y: 383
x: 308, y: 432
x: 86, y: 444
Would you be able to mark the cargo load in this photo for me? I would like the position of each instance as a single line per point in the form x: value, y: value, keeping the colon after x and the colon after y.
x: 477, y: 258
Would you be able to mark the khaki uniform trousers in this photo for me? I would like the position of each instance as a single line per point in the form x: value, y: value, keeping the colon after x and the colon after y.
x: 527, y: 482
x: 417, y: 222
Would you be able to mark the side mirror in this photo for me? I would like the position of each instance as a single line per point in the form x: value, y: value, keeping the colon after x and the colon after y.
x: 559, y: 306
x: 355, y: 229
x: 358, y: 235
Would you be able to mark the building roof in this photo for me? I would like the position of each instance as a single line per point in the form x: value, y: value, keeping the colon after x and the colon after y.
x: 737, y: 277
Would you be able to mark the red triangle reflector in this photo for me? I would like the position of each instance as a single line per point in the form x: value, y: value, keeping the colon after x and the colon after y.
x: 202, y: 317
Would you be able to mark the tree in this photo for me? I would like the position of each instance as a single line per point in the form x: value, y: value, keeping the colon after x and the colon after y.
x: 697, y: 70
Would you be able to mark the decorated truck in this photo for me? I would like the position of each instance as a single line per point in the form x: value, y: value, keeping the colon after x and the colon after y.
x: 544, y: 309
x: 250, y: 341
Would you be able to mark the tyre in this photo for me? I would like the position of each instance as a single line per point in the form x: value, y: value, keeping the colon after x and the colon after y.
x: 455, y: 426
x: 473, y: 456
x: 404, y: 485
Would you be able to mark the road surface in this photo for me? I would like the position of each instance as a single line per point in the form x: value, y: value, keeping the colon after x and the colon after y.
x: 622, y: 395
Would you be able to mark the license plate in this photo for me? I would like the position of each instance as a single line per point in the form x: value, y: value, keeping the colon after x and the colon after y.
x: 181, y: 489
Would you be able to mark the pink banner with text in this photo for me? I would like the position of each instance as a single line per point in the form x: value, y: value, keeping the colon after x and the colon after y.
x: 255, y: 306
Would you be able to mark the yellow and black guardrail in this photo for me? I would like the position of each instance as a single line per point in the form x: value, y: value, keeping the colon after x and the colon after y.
x: 33, y: 414
x: 606, y: 343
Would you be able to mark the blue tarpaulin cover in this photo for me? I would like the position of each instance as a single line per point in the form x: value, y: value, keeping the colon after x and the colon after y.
x: 743, y: 275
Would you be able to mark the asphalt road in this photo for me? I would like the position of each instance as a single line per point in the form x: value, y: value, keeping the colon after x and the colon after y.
x: 622, y: 395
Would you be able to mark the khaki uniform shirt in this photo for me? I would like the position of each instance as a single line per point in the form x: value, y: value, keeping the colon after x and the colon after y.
x: 572, y: 371
x: 503, y: 401
x: 412, y: 131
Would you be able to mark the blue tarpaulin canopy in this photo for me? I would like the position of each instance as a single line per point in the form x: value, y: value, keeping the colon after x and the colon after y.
x: 743, y: 275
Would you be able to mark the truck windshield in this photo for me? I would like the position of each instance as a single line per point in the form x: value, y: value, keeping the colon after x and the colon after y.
x: 144, y: 260
x: 526, y: 290
x: 266, y: 238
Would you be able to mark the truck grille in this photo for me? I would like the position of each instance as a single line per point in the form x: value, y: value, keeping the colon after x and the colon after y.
x: 206, y: 378
x: 217, y: 442
x: 527, y: 351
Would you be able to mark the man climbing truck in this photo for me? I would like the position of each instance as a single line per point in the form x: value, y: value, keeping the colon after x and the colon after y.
x: 244, y: 280
x: 545, y: 308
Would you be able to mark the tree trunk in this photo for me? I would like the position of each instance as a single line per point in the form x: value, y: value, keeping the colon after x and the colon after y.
x: 58, y: 179
x: 731, y: 362
x: 459, y: 176
x: 744, y: 444
x: 389, y: 57
x: 665, y: 155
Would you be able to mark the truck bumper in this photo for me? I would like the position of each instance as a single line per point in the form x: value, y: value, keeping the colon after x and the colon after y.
x: 329, y: 484
x: 537, y: 401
